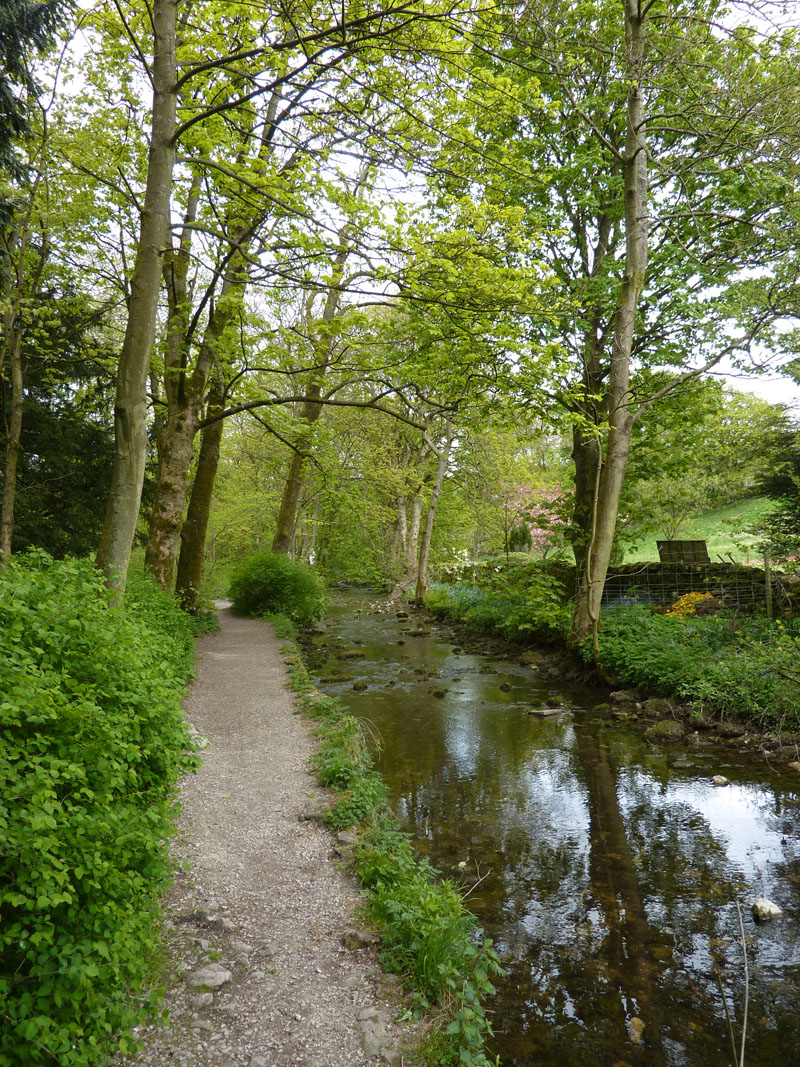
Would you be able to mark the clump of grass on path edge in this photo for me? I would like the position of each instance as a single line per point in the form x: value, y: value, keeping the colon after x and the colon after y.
x: 429, y: 936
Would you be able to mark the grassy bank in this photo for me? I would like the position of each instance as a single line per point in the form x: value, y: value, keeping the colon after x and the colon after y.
x: 748, y: 668
x: 428, y: 935
x: 730, y: 665
x: 93, y: 743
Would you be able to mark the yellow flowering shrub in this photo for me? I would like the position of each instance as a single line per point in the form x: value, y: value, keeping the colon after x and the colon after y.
x: 687, y: 605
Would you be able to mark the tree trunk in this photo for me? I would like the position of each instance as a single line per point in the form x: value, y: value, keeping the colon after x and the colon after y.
x: 184, y: 391
x: 175, y: 433
x: 430, y: 517
x: 130, y: 414
x: 620, y: 415
x: 412, y: 540
x: 587, y: 455
x: 284, y: 526
x: 283, y: 541
x: 287, y: 513
x: 310, y: 534
x: 177, y: 449
x: 166, y: 520
x: 397, y: 552
x: 193, y: 534
x: 12, y: 345
x: 11, y: 351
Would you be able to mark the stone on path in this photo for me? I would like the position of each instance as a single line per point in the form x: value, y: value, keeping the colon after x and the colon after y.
x: 375, y: 1039
x: 212, y: 976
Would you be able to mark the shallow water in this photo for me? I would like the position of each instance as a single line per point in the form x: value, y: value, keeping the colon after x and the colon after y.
x: 606, y: 871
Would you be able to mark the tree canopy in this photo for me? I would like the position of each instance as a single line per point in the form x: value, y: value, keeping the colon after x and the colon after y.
x: 397, y: 252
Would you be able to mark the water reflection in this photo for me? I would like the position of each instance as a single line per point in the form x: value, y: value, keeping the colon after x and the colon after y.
x: 614, y: 867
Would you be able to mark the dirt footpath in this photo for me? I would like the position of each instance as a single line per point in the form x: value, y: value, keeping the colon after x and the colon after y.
x: 270, y: 965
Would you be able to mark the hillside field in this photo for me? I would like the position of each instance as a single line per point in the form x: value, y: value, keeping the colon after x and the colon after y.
x: 723, y: 529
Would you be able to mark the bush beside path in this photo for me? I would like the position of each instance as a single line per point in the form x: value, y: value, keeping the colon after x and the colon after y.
x: 268, y: 963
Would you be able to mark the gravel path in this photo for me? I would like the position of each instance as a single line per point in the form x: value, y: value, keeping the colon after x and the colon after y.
x: 272, y: 968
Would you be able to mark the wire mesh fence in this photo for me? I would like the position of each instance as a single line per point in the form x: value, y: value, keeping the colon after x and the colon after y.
x: 733, y: 587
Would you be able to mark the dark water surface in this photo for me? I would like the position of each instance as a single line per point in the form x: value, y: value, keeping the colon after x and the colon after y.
x: 608, y: 871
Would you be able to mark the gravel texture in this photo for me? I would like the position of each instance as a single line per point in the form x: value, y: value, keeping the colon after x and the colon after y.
x: 270, y: 965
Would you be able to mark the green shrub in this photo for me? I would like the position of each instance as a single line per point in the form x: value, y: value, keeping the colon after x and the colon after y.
x: 518, y: 602
x: 730, y: 665
x: 93, y: 741
x: 269, y: 584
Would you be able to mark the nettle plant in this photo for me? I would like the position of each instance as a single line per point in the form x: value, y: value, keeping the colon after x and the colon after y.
x: 93, y: 744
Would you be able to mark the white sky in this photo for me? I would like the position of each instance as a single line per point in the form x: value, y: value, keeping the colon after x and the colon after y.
x: 773, y: 387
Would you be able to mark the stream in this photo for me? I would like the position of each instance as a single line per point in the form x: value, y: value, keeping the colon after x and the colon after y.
x: 606, y: 871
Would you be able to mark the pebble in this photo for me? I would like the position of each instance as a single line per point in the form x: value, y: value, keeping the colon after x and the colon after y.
x: 764, y: 910
x: 636, y: 1026
x: 241, y: 947
x: 202, y: 1000
x: 720, y: 779
x: 214, y: 975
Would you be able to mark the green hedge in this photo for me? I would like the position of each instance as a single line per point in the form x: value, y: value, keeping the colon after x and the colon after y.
x: 750, y: 667
x: 93, y: 742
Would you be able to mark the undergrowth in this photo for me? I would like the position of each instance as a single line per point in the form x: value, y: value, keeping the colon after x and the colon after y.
x: 93, y: 742
x: 429, y: 936
x: 521, y: 602
x: 747, y: 666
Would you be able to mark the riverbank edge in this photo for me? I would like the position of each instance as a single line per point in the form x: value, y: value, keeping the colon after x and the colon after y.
x: 378, y: 852
x: 629, y: 703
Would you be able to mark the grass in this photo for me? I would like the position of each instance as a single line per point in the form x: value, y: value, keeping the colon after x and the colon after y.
x: 723, y: 529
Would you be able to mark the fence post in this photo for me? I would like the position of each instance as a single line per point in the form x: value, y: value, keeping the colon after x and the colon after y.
x: 768, y: 582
